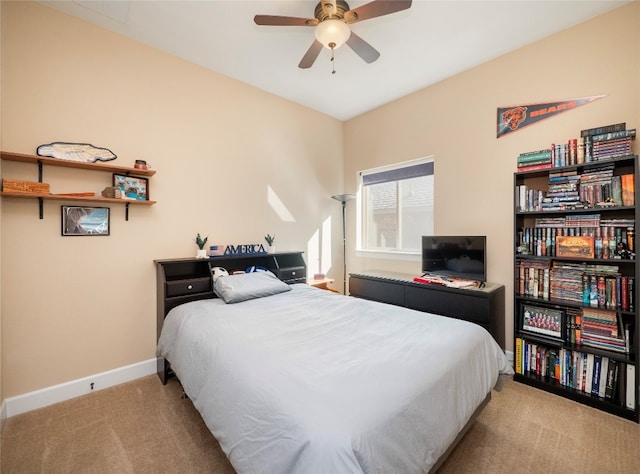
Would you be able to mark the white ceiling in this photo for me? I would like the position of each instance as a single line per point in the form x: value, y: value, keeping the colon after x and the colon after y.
x: 429, y: 42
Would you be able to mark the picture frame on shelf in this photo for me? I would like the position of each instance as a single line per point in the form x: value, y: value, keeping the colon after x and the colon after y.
x: 132, y: 187
x: 575, y: 246
x: 543, y: 321
x: 85, y: 221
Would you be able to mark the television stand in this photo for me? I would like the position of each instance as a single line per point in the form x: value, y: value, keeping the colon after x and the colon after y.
x: 483, y: 304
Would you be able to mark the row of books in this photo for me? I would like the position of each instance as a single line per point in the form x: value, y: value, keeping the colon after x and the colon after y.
x: 534, y: 160
x: 589, y: 287
x: 588, y: 190
x: 595, y: 144
x: 595, y: 328
x: 607, y: 239
x: 604, y: 330
x: 585, y: 224
x: 592, y: 374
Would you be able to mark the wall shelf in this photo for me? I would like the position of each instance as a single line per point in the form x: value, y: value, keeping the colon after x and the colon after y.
x: 41, y: 161
x: 99, y: 166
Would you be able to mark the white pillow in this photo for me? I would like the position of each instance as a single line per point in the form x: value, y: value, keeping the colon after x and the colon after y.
x: 247, y: 286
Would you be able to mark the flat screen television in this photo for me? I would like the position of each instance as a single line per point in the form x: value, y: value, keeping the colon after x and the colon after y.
x: 459, y: 256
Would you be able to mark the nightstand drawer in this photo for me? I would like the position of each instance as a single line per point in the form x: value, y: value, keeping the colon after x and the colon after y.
x: 292, y: 273
x: 188, y: 287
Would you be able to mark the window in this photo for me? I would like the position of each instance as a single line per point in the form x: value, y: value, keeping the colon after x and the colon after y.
x: 395, y: 207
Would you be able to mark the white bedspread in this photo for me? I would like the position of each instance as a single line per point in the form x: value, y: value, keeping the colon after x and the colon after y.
x: 311, y: 382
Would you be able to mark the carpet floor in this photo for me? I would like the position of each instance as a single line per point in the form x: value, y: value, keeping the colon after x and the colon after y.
x: 145, y: 427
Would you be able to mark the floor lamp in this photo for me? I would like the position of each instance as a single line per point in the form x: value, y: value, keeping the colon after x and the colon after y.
x: 343, y: 198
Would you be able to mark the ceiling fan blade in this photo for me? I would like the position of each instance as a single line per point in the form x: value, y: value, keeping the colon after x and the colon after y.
x: 274, y: 20
x: 375, y: 9
x: 363, y: 49
x: 310, y: 56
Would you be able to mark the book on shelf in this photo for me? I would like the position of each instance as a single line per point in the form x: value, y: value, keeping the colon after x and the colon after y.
x: 564, y: 173
x: 621, y: 385
x: 623, y: 144
x: 535, y: 167
x: 631, y: 387
x: 612, y: 377
x: 616, y: 190
x: 518, y: 356
x: 616, y: 127
x: 628, y: 189
x: 615, y: 135
x: 589, y: 374
x: 533, y: 164
x: 604, y: 365
x: 534, y: 156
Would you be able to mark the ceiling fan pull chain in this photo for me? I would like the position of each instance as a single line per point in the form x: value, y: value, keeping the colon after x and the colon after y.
x: 333, y: 62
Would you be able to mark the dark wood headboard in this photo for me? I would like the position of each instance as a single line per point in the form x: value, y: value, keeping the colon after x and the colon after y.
x: 189, y: 279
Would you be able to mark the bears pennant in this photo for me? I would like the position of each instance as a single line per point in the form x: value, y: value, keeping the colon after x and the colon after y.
x: 516, y: 117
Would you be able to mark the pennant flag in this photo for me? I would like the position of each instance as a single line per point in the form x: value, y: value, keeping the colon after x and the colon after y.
x: 516, y: 117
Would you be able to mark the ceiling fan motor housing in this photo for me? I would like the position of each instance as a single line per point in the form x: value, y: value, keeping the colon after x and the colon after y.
x: 325, y: 10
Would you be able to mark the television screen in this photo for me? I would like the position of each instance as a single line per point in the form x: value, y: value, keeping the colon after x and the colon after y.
x: 459, y: 256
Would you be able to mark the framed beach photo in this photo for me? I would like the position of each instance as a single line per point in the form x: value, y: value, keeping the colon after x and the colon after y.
x: 82, y: 220
x: 132, y: 187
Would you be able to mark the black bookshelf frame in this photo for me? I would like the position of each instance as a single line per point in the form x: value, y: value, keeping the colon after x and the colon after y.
x: 630, y: 267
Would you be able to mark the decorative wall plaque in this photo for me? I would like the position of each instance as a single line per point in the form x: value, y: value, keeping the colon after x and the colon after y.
x: 83, y: 152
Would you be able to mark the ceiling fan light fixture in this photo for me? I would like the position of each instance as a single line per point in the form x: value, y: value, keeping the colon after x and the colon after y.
x: 332, y: 33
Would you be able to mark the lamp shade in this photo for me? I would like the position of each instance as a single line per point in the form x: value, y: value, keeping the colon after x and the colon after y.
x: 343, y: 197
x: 332, y: 33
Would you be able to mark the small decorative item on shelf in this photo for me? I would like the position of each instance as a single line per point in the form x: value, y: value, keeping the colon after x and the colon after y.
x: 112, y: 192
x: 141, y: 165
x: 217, y: 250
x: 200, y: 242
x: 22, y: 186
x: 132, y: 187
x: 270, y: 239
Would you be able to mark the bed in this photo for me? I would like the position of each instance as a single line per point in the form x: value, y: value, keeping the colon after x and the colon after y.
x: 302, y: 380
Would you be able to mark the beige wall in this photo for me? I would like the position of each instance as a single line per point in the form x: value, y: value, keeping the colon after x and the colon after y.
x: 77, y: 306
x: 72, y: 306
x: 2, y: 417
x: 455, y: 121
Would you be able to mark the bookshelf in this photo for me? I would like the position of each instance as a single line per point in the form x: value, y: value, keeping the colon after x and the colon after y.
x: 576, y: 330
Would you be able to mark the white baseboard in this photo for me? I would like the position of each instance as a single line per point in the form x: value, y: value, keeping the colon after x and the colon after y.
x: 509, y: 355
x: 75, y: 388
x: 3, y: 414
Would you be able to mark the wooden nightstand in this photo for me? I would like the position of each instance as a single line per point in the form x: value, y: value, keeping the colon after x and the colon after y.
x: 321, y: 283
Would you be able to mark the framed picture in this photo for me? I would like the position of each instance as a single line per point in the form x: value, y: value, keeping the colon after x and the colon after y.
x: 132, y: 187
x: 543, y: 321
x: 81, y: 220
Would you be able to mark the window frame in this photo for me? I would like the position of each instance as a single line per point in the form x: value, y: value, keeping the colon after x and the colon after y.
x: 398, y: 253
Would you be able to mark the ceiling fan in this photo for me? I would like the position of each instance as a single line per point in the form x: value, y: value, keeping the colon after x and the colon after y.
x: 332, y: 30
